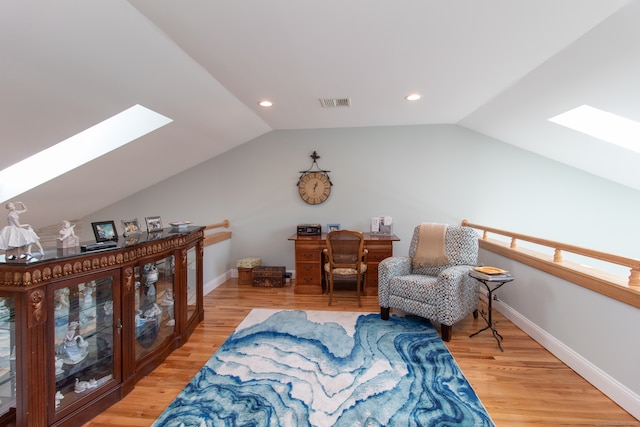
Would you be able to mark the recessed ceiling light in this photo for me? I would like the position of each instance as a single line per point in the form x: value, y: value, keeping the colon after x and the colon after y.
x: 265, y: 103
x: 602, y: 125
x: 413, y: 97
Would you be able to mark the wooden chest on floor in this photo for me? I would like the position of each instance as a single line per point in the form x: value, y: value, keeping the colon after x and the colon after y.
x: 244, y: 276
x: 272, y: 277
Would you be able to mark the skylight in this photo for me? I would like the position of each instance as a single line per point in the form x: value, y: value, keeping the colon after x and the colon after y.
x: 602, y: 125
x: 79, y: 149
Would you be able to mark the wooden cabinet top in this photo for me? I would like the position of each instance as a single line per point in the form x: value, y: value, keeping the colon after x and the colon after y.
x: 367, y: 237
x: 59, y: 264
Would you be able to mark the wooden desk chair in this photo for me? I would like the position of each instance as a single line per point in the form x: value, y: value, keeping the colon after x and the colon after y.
x: 347, y: 258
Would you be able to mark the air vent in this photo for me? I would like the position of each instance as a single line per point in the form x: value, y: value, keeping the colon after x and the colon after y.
x: 335, y: 102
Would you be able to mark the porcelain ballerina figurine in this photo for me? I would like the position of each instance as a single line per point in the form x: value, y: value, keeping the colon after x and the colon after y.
x: 16, y: 235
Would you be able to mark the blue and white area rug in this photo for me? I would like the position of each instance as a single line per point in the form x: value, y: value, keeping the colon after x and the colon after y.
x: 322, y: 368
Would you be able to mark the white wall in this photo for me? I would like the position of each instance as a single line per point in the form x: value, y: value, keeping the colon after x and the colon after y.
x: 441, y: 173
x: 596, y: 336
x: 413, y: 173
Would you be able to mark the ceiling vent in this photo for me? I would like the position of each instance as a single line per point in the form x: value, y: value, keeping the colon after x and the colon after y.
x: 335, y: 102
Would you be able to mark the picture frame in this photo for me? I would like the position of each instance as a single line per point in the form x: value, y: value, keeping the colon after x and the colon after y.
x: 332, y: 227
x: 131, y: 227
x: 104, y: 231
x: 154, y: 223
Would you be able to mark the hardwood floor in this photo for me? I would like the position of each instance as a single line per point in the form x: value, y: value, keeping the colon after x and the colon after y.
x: 523, y: 386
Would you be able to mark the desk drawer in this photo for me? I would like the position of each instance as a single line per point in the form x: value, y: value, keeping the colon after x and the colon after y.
x: 309, y: 279
x: 379, y: 251
x: 377, y: 256
x: 308, y: 255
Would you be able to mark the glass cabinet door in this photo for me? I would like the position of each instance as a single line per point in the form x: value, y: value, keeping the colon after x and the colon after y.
x: 192, y: 282
x: 154, y: 302
x: 7, y: 355
x: 83, y: 322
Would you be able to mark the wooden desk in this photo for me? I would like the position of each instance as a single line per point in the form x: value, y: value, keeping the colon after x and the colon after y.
x: 309, y: 260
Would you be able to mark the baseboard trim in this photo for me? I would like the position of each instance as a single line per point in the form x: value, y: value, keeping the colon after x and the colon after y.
x: 217, y: 281
x: 611, y: 387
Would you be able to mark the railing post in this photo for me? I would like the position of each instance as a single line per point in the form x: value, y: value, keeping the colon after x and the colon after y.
x: 634, y: 278
x: 557, y: 255
x: 513, y: 243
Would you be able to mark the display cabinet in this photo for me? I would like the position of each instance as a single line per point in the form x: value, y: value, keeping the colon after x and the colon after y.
x: 193, y: 293
x: 84, y: 346
x: 154, y: 304
x: 78, y: 330
x: 8, y: 384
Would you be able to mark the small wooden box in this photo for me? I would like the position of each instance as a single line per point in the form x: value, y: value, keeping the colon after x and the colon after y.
x: 269, y: 277
x: 245, y: 276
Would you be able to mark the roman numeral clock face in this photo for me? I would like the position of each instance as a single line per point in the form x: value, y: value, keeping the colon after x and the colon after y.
x: 314, y: 188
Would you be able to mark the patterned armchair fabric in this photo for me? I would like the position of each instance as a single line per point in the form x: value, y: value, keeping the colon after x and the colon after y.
x: 445, y: 294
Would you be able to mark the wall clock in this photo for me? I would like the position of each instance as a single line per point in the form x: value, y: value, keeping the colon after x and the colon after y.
x: 314, y: 187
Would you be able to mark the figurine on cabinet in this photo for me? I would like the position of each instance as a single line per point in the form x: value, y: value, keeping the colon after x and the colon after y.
x: 148, y: 325
x: 153, y: 313
x: 61, y: 299
x: 150, y: 292
x: 86, y: 295
x: 151, y: 272
x: 59, y: 397
x: 151, y: 277
x: 5, y: 313
x: 67, y: 237
x: 82, y: 386
x: 16, y: 236
x: 88, y: 314
x: 108, y: 308
x: 74, y: 347
x: 59, y: 364
x: 137, y: 294
x: 168, y: 302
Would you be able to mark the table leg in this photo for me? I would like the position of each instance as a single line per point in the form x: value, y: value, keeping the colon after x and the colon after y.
x: 489, y: 316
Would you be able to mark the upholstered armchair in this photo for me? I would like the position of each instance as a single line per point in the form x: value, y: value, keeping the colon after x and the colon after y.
x: 444, y: 293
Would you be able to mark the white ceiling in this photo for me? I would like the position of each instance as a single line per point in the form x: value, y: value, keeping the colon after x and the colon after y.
x: 499, y: 67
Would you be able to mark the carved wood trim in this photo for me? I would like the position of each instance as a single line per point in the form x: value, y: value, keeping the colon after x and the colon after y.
x: 37, y: 273
x: 36, y: 307
x: 128, y: 279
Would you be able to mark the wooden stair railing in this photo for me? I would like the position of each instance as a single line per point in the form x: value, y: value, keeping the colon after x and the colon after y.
x: 210, y: 239
x: 611, y: 285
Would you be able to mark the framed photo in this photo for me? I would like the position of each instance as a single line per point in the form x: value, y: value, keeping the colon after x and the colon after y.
x: 131, y: 226
x: 104, y: 231
x: 332, y: 227
x: 154, y: 223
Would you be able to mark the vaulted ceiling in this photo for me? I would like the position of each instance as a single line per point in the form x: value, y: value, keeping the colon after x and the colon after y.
x: 499, y: 67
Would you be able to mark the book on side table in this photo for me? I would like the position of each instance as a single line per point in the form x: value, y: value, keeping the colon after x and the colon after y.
x: 493, y: 274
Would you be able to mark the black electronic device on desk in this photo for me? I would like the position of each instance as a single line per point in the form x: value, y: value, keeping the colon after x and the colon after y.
x: 309, y: 229
x: 109, y: 244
